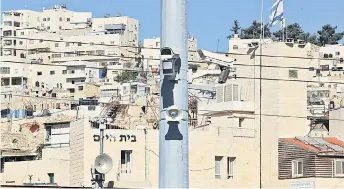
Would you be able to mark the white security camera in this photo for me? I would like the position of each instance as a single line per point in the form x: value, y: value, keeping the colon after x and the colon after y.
x: 173, y: 114
x: 168, y: 63
x: 166, y: 53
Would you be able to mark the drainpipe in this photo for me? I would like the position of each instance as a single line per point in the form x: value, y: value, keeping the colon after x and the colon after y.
x: 146, y: 165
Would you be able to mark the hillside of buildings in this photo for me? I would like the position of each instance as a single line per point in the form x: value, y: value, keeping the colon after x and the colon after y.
x: 273, y: 105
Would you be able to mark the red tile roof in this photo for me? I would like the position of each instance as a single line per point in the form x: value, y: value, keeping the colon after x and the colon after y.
x: 301, y: 144
x: 334, y: 140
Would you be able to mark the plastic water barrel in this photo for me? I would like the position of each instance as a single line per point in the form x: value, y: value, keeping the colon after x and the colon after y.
x: 16, y: 113
x: 101, y: 73
x: 21, y: 113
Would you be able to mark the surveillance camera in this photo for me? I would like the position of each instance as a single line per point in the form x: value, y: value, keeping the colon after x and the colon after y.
x: 173, y: 114
x: 166, y: 53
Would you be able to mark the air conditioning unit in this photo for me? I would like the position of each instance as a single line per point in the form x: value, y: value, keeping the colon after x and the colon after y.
x: 289, y: 41
x: 301, y: 43
x: 227, y: 92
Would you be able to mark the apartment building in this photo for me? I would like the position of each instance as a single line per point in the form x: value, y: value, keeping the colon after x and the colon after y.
x: 44, y: 77
x: 59, y: 35
x: 52, y: 134
x: 282, y: 93
x: 151, y: 53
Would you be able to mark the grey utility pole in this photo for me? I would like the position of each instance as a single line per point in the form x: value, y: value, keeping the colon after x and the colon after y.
x: 100, y: 177
x: 173, y: 125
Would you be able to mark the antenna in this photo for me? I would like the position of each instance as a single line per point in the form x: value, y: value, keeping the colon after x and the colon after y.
x: 30, y: 178
x: 103, y: 163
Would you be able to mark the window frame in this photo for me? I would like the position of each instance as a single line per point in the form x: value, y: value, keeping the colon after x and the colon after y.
x: 127, y: 164
x: 335, y: 168
x: 230, y: 167
x: 297, y: 161
x: 217, y: 161
x: 290, y: 76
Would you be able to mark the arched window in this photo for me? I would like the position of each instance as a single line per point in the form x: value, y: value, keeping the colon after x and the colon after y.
x: 37, y: 84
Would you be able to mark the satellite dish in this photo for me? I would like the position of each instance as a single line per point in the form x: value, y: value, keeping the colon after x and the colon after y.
x: 34, y: 129
x: 103, y: 163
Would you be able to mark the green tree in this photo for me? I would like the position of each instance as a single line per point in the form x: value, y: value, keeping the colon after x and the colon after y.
x: 328, y: 35
x: 254, y: 31
x: 293, y: 31
x: 126, y: 76
x: 236, y: 28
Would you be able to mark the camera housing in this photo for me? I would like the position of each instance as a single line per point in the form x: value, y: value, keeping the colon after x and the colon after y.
x: 168, y: 63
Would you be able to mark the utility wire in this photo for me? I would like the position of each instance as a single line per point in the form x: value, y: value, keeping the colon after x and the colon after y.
x: 138, y: 105
x: 128, y: 46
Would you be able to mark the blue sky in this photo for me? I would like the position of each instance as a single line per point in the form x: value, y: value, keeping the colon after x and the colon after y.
x: 209, y: 20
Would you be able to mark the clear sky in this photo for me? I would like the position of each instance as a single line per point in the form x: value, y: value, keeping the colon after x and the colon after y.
x: 209, y: 20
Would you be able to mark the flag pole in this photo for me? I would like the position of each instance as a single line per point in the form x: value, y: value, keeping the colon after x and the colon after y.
x: 260, y: 93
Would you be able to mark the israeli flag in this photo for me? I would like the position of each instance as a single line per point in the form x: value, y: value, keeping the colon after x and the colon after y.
x: 276, y: 13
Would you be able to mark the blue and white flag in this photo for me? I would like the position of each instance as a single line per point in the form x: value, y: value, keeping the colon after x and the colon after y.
x: 276, y: 13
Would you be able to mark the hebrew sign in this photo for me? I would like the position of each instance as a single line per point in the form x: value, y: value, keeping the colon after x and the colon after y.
x: 120, y: 138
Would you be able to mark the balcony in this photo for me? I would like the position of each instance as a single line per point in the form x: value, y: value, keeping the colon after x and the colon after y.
x: 76, y: 75
x: 70, y: 86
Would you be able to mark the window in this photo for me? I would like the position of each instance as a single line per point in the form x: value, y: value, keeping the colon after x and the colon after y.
x: 4, y: 70
x: 80, y: 88
x: 52, y: 72
x: 339, y: 168
x: 60, y: 27
x: 293, y: 74
x: 48, y: 19
x: 68, y: 19
x: 44, y: 19
x: 56, y: 55
x: 41, y: 40
x: 39, y: 73
x: 218, y: 160
x: 126, y: 161
x: 48, y: 132
x: 337, y: 53
x: 73, y: 82
x: 230, y: 167
x: 79, y: 44
x: 60, y: 19
x: 241, y: 120
x: 297, y: 168
x: 64, y: 71
x: 56, y: 44
x: 48, y: 27
x: 112, y: 42
x: 235, y: 47
x: 22, y: 33
x: 37, y: 84
x: 51, y: 178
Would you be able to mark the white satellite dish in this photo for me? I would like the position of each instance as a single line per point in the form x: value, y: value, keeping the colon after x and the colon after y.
x: 103, y: 163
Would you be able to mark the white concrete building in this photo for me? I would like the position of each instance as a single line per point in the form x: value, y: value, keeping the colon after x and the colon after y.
x: 44, y: 77
x: 59, y: 35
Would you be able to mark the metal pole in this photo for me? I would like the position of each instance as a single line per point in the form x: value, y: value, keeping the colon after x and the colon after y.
x: 260, y: 96
x: 174, y: 153
x: 101, y: 141
x: 99, y: 181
